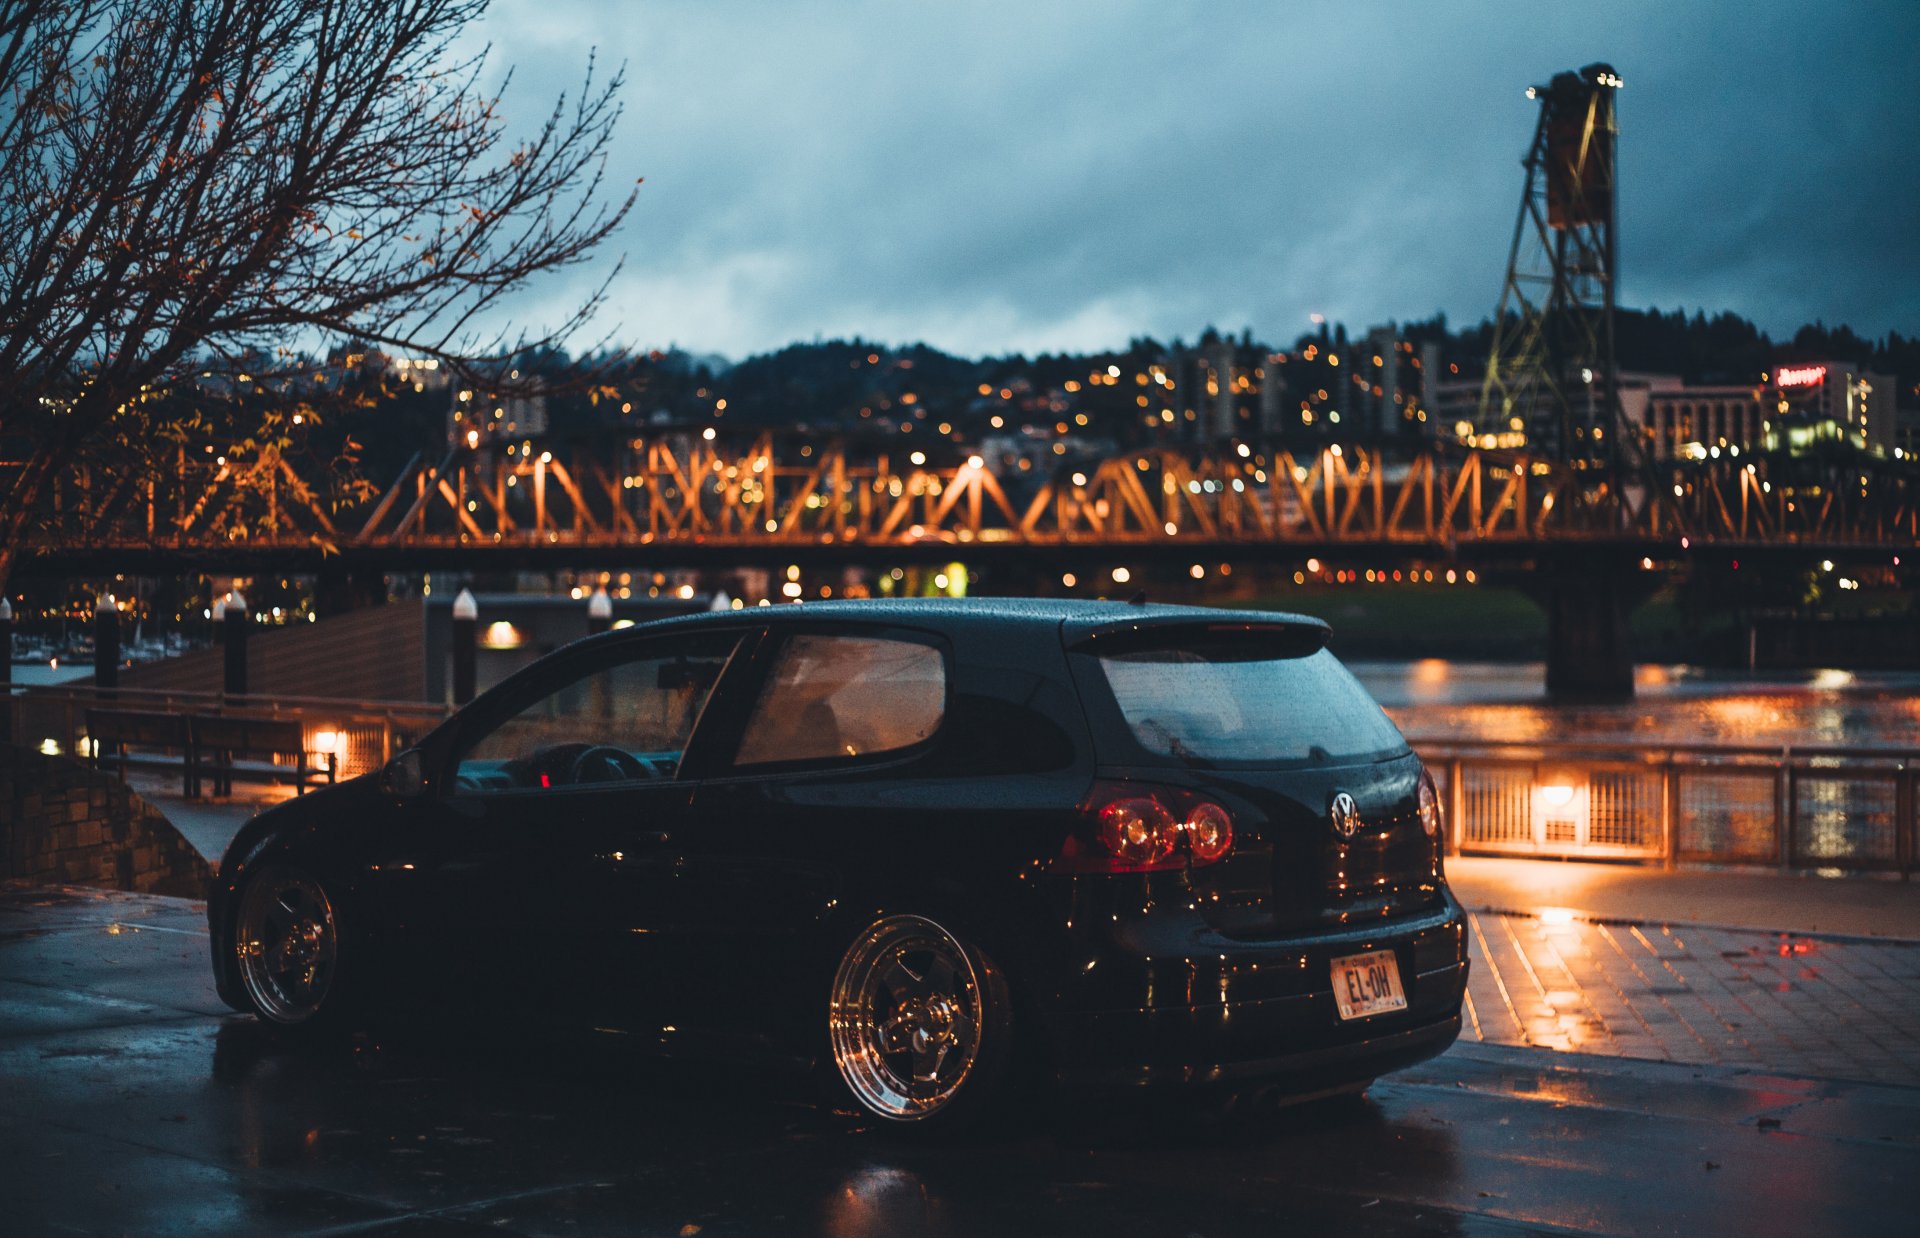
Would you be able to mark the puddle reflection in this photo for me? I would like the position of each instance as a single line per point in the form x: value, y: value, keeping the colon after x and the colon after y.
x: 417, y: 1115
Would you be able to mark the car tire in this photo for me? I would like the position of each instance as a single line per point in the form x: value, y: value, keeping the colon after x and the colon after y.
x: 920, y: 1027
x: 290, y: 951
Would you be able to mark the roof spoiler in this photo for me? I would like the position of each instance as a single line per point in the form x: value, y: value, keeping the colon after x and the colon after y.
x: 1291, y: 637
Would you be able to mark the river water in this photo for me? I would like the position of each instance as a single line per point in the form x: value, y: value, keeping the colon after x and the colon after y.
x: 1438, y: 699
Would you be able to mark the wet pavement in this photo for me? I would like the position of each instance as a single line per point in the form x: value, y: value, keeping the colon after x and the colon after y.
x: 1766, y: 900
x: 1786, y: 1002
x: 131, y: 1101
x: 208, y: 823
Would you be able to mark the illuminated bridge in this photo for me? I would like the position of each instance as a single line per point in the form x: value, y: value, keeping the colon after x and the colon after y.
x: 1586, y: 545
x: 679, y: 499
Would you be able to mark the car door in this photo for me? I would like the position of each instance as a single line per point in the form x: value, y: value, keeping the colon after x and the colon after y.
x: 825, y: 713
x: 549, y: 850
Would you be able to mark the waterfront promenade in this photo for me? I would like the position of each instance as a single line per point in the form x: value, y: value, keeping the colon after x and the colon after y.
x: 131, y: 1101
x: 1642, y: 1051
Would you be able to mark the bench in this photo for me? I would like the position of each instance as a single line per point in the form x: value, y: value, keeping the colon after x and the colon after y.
x: 226, y: 747
x: 123, y: 739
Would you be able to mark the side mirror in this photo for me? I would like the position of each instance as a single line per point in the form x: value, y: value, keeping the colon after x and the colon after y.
x: 405, y: 776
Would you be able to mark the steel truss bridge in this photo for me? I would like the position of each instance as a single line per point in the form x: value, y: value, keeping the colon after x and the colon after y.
x: 677, y: 498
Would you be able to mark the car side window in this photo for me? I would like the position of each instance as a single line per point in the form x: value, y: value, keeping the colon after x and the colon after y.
x: 624, y: 721
x: 844, y: 696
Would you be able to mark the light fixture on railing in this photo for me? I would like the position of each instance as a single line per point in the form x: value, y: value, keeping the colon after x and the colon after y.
x: 329, y: 743
x: 501, y: 635
x: 1562, y: 807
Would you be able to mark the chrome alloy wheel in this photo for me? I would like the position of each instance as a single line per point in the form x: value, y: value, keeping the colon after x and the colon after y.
x: 905, y: 1018
x: 287, y: 945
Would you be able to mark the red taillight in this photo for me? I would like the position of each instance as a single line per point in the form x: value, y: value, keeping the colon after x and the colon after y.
x: 1209, y: 831
x: 1430, y: 818
x: 1138, y: 829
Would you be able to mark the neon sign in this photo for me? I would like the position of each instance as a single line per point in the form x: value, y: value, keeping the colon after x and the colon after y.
x: 1801, y: 375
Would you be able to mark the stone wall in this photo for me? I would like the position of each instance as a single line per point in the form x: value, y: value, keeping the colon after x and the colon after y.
x: 64, y: 823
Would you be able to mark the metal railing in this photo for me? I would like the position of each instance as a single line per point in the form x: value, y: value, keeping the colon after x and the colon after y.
x: 1791, y: 807
x: 362, y: 735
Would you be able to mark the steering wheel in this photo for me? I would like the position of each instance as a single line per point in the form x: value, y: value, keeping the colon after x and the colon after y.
x: 605, y: 763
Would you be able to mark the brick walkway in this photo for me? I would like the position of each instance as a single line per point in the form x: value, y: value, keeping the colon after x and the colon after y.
x: 1770, y: 1001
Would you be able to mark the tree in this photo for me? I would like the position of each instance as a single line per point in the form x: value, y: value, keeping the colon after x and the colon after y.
x: 183, y: 184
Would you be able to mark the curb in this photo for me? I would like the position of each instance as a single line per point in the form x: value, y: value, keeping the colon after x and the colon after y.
x: 1622, y: 921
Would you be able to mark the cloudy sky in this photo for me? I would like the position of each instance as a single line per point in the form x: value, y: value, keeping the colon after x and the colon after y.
x: 1052, y: 174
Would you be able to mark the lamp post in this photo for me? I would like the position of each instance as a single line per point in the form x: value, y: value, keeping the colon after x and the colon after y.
x: 466, y: 624
x: 234, y: 623
x: 106, y: 643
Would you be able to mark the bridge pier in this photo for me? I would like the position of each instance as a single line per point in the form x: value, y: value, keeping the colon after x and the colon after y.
x: 1588, y: 599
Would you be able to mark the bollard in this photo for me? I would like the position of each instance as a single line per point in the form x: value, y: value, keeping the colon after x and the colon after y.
x: 6, y: 670
x: 106, y: 643
x: 599, y: 619
x: 234, y: 623
x: 466, y: 628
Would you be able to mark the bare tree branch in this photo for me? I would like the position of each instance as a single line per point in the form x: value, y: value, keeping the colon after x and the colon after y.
x: 219, y: 178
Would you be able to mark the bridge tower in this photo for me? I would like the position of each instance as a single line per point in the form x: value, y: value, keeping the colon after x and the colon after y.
x: 1552, y: 366
x: 1552, y: 372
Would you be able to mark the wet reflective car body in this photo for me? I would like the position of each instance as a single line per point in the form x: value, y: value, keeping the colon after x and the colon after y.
x: 932, y: 843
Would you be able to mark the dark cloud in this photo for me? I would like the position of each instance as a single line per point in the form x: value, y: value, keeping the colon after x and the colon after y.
x: 1026, y: 176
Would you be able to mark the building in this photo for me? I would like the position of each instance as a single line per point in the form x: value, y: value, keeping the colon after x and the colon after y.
x: 1906, y: 432
x: 1218, y: 392
x: 1831, y: 402
x: 1792, y: 409
x: 1452, y: 404
x: 1795, y: 408
x: 1383, y: 394
x: 476, y: 416
x: 1678, y: 421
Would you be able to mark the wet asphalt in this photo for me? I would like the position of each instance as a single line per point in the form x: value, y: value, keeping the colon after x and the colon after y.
x: 133, y: 1102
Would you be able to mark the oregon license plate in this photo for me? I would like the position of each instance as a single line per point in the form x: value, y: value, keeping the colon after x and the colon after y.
x: 1365, y: 984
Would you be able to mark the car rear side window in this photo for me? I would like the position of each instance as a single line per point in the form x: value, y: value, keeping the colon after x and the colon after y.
x: 1246, y: 702
x: 843, y: 696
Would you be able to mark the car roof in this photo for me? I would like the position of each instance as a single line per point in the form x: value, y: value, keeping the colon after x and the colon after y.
x: 1073, y: 617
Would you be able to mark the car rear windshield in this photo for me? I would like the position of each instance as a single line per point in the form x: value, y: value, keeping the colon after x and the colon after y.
x: 1247, y: 701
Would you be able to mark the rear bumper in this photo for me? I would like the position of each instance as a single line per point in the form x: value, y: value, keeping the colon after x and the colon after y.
x: 1230, y: 1012
x: 1306, y: 1072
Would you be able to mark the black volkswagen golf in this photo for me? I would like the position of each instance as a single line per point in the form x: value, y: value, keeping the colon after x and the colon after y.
x: 933, y: 844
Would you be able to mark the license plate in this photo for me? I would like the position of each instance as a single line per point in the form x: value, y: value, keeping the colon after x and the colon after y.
x: 1365, y: 984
